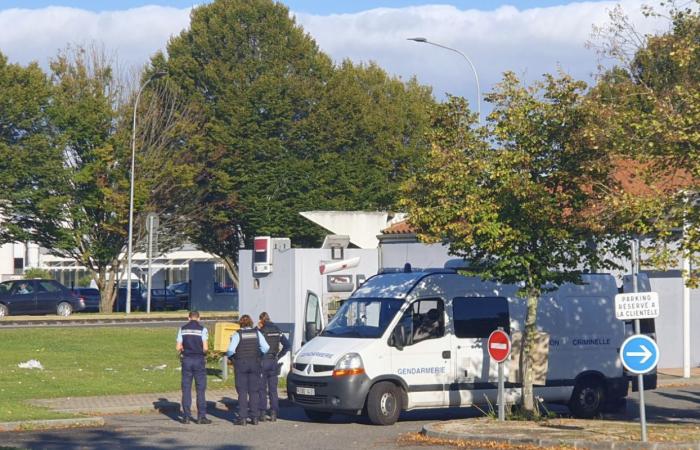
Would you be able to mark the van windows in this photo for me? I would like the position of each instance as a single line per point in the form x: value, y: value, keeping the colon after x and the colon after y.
x: 363, y: 317
x: 424, y: 320
x: 478, y: 317
x: 313, y: 316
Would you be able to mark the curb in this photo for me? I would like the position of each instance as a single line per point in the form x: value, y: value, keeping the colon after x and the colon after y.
x: 31, y: 425
x: 429, y: 431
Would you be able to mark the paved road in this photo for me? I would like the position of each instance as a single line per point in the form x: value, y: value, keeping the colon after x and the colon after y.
x: 294, y: 431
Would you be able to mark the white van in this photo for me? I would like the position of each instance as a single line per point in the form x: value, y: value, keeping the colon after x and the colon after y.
x: 410, y: 340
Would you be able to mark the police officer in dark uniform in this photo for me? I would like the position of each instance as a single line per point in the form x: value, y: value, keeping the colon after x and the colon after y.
x: 192, y: 343
x: 270, y: 365
x: 246, y: 348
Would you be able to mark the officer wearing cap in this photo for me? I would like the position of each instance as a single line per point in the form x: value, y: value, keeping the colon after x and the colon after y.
x: 246, y: 348
x: 270, y: 366
x: 192, y: 343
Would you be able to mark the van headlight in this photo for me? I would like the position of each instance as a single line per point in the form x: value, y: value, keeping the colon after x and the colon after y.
x: 349, y: 364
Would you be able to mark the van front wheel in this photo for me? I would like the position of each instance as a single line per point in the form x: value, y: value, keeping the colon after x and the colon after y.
x: 384, y: 403
x: 587, y: 399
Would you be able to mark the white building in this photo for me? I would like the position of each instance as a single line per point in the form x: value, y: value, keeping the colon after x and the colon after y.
x: 16, y: 257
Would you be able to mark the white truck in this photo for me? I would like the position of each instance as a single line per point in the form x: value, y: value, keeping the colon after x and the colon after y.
x: 410, y: 340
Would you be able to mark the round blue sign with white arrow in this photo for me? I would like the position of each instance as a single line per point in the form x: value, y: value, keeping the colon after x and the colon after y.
x: 639, y: 354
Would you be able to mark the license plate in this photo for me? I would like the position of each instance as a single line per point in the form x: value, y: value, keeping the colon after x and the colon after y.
x: 305, y: 391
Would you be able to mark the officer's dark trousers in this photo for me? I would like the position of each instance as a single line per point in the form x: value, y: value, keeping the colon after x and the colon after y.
x: 194, y: 367
x: 269, y: 385
x: 247, y: 386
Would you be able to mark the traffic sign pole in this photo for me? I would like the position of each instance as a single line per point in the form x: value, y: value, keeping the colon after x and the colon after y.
x: 640, y: 355
x: 640, y: 385
x: 499, y: 347
x: 501, y: 388
x: 637, y: 330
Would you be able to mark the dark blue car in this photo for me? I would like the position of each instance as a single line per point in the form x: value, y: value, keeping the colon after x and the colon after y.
x: 90, y: 296
x: 38, y: 297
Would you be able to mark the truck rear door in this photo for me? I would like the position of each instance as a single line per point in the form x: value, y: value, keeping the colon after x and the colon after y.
x: 475, y: 375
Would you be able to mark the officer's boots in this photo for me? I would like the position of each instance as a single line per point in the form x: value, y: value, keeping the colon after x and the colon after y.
x: 241, y: 421
x: 273, y: 416
x: 254, y: 421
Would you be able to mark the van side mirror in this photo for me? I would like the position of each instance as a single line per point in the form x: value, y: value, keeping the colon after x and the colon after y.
x: 398, y: 338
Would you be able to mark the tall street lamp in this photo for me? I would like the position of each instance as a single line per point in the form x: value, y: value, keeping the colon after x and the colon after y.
x: 476, y: 76
x: 155, y: 76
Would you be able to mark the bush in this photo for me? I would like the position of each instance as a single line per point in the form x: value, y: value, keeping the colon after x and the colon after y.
x: 34, y: 272
x: 84, y: 281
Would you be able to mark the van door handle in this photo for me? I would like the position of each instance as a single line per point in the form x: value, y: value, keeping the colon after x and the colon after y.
x: 446, y: 354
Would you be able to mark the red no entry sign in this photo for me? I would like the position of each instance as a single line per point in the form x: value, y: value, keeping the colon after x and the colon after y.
x: 499, y: 345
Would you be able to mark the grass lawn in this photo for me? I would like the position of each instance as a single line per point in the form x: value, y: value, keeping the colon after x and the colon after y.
x: 83, y: 362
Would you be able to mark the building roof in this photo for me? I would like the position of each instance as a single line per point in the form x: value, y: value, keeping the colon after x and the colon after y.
x: 401, y: 227
x: 632, y: 178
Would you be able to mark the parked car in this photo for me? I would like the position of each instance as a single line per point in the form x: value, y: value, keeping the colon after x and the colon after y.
x: 164, y: 299
x: 182, y: 291
x: 219, y: 288
x: 90, y: 296
x: 38, y: 296
x: 138, y: 299
x: 180, y: 288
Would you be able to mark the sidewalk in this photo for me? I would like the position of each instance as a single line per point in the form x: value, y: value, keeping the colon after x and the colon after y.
x: 137, y: 403
x: 674, y: 377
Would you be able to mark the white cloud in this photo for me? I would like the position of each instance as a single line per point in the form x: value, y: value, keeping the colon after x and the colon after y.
x: 133, y: 34
x: 529, y: 42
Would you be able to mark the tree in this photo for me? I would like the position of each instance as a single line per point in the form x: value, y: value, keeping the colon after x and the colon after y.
x: 516, y: 200
x: 649, y: 110
x: 285, y: 130
x: 64, y: 174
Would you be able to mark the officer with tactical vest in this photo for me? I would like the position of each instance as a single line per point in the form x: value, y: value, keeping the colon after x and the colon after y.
x: 246, y: 348
x: 270, y: 366
x: 192, y: 343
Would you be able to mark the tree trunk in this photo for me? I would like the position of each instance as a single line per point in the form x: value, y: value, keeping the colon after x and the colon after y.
x: 106, y: 283
x: 528, y: 350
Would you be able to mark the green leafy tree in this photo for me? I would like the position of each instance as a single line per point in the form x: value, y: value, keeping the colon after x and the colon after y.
x: 64, y: 173
x: 516, y: 200
x: 649, y: 117
x: 285, y: 130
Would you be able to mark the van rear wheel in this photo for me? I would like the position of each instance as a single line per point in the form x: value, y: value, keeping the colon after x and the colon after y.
x: 587, y: 399
x: 318, y: 416
x: 384, y: 403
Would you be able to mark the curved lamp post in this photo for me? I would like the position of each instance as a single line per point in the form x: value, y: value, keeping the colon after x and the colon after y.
x: 155, y: 76
x: 476, y: 76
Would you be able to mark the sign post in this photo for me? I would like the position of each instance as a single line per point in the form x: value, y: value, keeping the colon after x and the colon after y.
x: 639, y: 353
x: 499, y: 347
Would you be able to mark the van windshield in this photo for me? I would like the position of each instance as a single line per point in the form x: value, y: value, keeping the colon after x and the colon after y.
x: 363, y: 318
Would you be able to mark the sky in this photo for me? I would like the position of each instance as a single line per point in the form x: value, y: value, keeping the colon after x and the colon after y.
x: 529, y: 37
